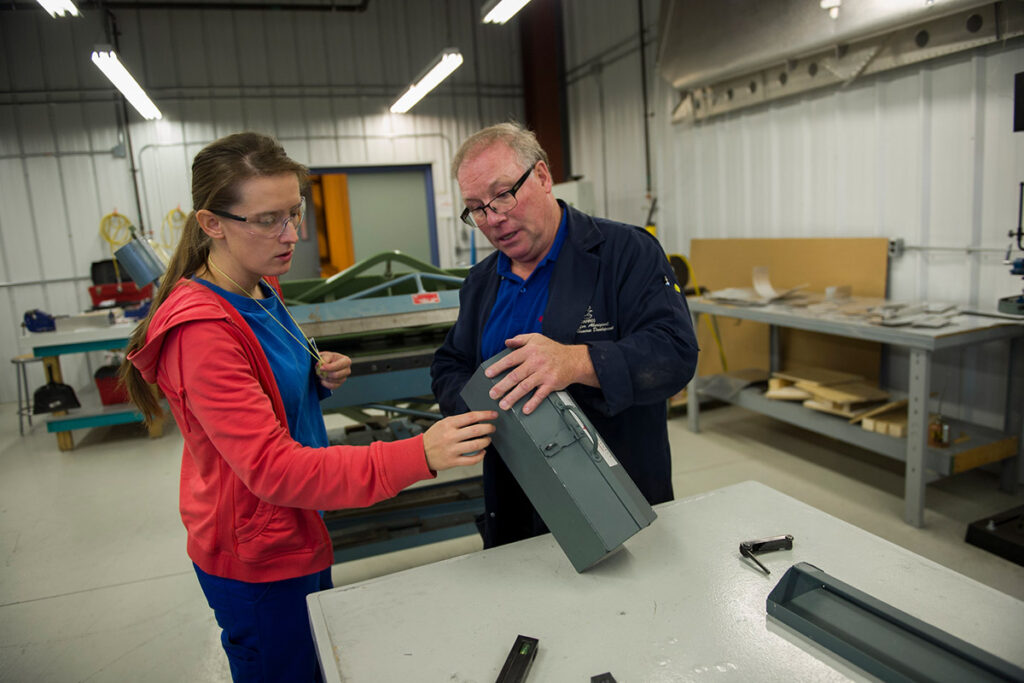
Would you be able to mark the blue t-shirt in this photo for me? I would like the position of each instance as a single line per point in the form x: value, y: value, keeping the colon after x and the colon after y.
x: 292, y: 365
x: 519, y: 305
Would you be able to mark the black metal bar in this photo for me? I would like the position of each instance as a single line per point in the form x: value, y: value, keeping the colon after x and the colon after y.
x: 643, y: 90
x: 520, y: 658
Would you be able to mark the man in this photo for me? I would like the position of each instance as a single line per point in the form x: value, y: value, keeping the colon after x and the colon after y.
x: 586, y: 304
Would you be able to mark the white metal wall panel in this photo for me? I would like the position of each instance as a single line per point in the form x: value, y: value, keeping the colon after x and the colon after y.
x: 920, y: 154
x: 954, y: 161
x: 606, y: 102
x: 898, y: 175
x: 321, y: 82
x: 626, y: 194
x: 79, y: 197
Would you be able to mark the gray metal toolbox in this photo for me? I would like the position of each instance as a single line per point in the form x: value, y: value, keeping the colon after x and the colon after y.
x: 569, y: 474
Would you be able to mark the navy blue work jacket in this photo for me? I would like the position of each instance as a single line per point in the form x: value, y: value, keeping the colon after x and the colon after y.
x: 613, y: 290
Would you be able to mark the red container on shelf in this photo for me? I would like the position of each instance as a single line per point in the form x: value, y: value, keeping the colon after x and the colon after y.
x: 120, y: 293
x: 111, y: 392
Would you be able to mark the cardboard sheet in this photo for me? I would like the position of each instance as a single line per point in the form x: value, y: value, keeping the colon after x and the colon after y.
x: 860, y: 263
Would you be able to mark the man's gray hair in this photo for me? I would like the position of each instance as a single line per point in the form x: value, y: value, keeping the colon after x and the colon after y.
x: 521, y: 140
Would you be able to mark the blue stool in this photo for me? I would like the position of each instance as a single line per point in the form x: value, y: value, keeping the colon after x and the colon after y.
x: 24, y: 395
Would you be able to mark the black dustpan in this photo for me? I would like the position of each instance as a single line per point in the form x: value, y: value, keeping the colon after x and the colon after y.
x: 53, y: 397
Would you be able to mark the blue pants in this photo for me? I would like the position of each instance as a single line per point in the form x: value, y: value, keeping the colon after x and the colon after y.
x: 265, y: 626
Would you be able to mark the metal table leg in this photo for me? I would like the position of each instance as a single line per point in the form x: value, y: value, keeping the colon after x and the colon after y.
x: 1014, y: 415
x: 65, y: 440
x: 917, y: 436
x: 23, y: 395
x: 774, y: 349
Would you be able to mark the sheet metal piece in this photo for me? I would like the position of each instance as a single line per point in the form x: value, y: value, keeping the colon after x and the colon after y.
x: 877, y: 637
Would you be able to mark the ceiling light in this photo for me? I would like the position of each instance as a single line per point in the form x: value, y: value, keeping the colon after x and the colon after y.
x: 443, y: 65
x: 106, y: 59
x: 57, y: 8
x: 500, y: 11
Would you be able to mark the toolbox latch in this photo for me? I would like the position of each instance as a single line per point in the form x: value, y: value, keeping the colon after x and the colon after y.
x: 574, y: 431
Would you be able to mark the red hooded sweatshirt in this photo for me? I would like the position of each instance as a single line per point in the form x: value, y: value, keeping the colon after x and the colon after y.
x: 249, y: 493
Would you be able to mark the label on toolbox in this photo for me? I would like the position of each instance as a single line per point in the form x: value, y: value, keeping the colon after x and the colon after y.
x: 606, y: 453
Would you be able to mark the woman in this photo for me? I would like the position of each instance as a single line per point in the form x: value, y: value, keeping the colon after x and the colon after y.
x: 243, y: 384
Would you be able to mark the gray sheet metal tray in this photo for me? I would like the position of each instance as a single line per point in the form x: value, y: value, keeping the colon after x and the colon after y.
x: 571, y: 477
x: 877, y: 637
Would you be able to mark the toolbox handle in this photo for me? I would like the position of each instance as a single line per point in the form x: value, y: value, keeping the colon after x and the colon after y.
x: 578, y: 426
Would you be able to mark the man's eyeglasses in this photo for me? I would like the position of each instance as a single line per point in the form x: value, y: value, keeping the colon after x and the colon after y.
x: 270, y: 225
x: 502, y: 204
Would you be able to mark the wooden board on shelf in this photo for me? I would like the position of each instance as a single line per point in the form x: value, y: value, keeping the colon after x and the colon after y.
x: 897, y: 427
x: 849, y: 392
x: 985, y: 454
x: 884, y: 408
x: 790, y: 393
x: 891, y: 421
x: 816, y: 376
x: 830, y: 408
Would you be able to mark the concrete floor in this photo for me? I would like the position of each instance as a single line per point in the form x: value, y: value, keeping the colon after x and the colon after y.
x: 96, y: 585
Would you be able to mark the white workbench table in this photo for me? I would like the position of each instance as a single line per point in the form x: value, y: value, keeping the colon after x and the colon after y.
x: 677, y: 603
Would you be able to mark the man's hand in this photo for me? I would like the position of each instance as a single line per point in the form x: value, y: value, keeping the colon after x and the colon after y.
x: 540, y: 363
x: 334, y: 369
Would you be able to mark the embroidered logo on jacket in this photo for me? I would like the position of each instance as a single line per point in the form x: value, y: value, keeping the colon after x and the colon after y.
x: 589, y: 324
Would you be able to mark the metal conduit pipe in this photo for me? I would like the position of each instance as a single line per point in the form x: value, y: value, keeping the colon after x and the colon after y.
x: 897, y: 247
x: 382, y: 91
x: 52, y: 281
x: 969, y: 250
x: 244, y: 6
x: 240, y: 91
x: 55, y: 155
x: 643, y: 86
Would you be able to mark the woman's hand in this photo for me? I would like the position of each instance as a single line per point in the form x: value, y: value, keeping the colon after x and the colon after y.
x: 459, y: 440
x: 333, y: 369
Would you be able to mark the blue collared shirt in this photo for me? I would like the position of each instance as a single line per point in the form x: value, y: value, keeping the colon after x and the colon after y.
x: 519, y: 305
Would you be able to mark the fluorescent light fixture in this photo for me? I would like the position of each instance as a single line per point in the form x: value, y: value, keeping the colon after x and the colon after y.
x: 441, y: 68
x: 106, y: 59
x: 57, y: 8
x: 500, y: 11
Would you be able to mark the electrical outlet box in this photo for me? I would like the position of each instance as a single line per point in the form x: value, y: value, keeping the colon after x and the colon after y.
x: 568, y: 472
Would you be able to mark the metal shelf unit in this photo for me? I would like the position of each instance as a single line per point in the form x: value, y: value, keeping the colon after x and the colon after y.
x: 50, y: 346
x: 922, y: 464
x: 982, y: 445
